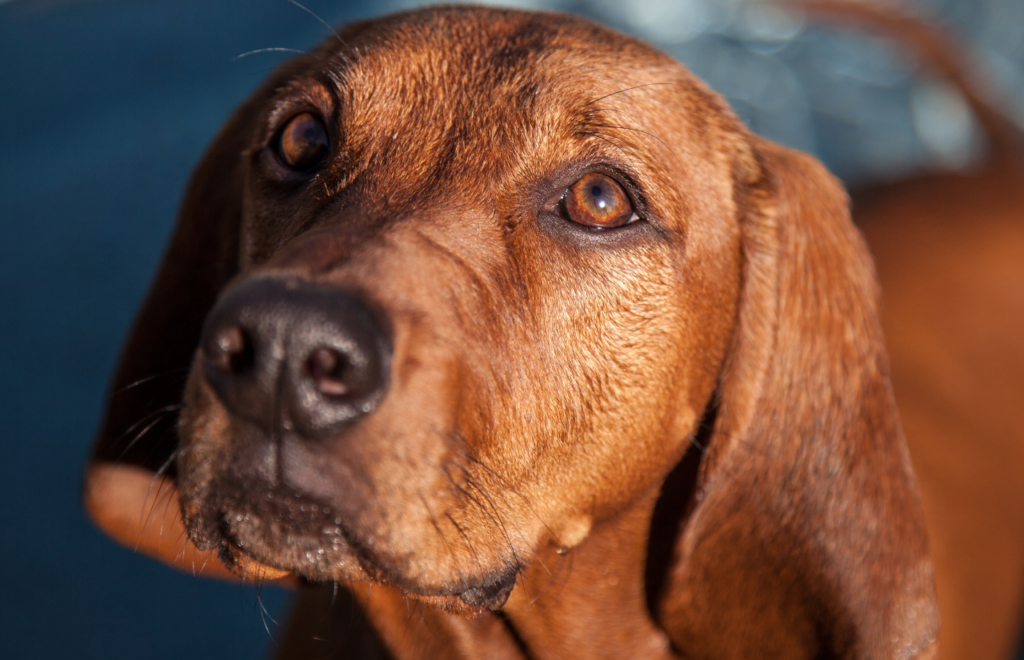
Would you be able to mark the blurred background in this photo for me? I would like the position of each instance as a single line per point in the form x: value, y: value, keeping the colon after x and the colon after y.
x: 106, y: 105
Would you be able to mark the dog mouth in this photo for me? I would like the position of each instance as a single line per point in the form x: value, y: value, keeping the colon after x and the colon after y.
x: 281, y: 529
x: 272, y: 531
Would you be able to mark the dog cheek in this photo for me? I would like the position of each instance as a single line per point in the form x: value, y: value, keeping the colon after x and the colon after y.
x: 603, y: 354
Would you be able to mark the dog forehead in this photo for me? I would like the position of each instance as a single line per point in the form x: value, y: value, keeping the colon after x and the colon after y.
x: 493, y: 113
x: 481, y: 46
x: 467, y: 91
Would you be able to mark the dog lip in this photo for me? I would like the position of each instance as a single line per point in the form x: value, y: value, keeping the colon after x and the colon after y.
x: 201, y: 524
x: 253, y: 523
x: 252, y: 517
x: 319, y: 546
x: 272, y: 532
x: 491, y: 596
x: 317, y: 554
x: 245, y: 565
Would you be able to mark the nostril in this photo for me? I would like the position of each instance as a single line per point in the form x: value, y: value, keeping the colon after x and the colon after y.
x: 230, y: 350
x: 305, y: 357
x: 326, y: 367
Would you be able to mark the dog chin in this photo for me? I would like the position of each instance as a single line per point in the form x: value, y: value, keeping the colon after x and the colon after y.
x: 316, y: 548
x: 272, y: 533
x: 251, y: 556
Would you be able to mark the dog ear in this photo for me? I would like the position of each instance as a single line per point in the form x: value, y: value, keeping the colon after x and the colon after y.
x: 129, y: 485
x: 806, y: 537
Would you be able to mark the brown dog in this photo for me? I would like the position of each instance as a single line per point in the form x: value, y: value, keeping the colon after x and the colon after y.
x: 466, y: 285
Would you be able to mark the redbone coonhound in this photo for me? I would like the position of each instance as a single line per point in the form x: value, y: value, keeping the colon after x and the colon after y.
x: 458, y: 296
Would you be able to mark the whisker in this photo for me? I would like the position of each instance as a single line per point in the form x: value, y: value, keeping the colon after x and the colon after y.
x: 168, y: 501
x: 437, y: 528
x: 469, y: 544
x: 515, y: 491
x: 183, y: 542
x: 628, y: 89
x: 322, y: 21
x: 630, y: 158
x: 475, y: 501
x: 567, y: 558
x: 259, y: 51
x: 261, y: 580
x: 692, y: 437
x: 408, y: 615
x: 144, y: 516
x: 202, y: 567
x: 159, y: 414
x: 366, y: 600
x: 147, y: 379
x: 497, y: 519
x: 629, y: 128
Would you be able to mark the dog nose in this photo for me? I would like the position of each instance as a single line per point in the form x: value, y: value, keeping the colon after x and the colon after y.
x: 295, y: 356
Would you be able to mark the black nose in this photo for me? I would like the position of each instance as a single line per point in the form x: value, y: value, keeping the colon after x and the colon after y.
x: 295, y: 356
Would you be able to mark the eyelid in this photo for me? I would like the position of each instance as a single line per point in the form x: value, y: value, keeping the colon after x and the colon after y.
x: 308, y: 95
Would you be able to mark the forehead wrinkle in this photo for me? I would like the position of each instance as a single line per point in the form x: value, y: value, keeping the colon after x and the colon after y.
x: 568, y: 126
x: 426, y: 110
x: 607, y: 99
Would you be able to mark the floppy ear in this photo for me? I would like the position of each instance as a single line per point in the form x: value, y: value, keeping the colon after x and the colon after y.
x: 806, y: 538
x: 129, y: 484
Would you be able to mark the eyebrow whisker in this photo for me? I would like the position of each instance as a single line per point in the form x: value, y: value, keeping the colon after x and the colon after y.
x: 628, y: 89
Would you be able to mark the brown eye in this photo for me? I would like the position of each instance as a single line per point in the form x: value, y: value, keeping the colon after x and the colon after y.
x: 303, y: 143
x: 598, y: 201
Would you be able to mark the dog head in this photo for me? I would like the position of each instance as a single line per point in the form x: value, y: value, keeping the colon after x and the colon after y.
x: 462, y: 284
x: 477, y: 309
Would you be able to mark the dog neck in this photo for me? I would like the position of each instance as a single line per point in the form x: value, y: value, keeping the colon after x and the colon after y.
x: 592, y: 599
x: 584, y: 603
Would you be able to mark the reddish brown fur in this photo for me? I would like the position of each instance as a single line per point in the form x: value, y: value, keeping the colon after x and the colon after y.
x: 546, y: 379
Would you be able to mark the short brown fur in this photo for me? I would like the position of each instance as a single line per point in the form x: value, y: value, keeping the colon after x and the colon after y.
x: 545, y: 378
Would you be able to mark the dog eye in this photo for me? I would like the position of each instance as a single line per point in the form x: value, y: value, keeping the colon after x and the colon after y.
x: 598, y: 201
x: 303, y: 143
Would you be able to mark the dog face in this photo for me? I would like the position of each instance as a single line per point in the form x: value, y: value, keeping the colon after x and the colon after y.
x: 464, y: 283
x: 487, y: 284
